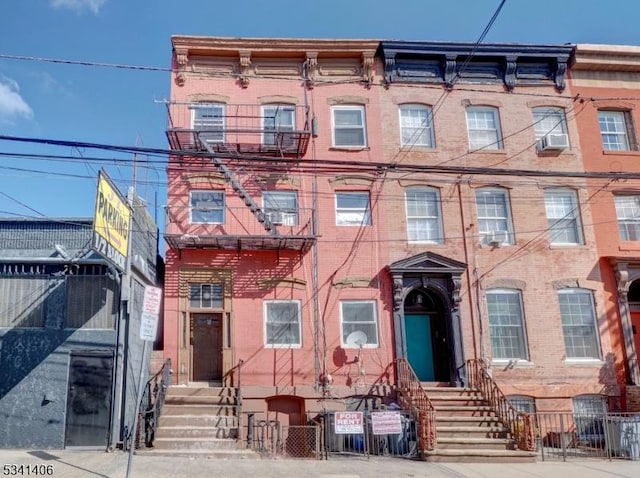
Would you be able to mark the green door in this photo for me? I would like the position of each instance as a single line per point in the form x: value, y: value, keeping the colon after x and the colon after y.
x: 419, y: 346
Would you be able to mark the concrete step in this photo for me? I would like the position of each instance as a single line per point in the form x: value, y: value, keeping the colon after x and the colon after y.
x: 199, y: 400
x: 198, y: 409
x: 237, y: 454
x: 458, y: 400
x: 470, y: 443
x: 458, y: 391
x: 467, y: 421
x: 184, y: 420
x: 196, y: 432
x: 180, y: 390
x: 463, y: 411
x: 195, y: 444
x: 479, y: 455
x: 471, y: 432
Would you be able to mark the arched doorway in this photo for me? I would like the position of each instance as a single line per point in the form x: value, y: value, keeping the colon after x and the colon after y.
x: 427, y: 336
x: 633, y: 296
x: 426, y: 296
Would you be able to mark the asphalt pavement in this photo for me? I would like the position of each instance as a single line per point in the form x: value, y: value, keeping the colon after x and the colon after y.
x: 99, y: 464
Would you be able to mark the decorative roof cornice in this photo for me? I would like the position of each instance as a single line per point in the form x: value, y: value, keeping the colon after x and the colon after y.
x: 441, y: 62
x: 622, y: 58
x: 278, y: 47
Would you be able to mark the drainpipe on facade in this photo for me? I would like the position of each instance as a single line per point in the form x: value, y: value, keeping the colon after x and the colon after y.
x: 468, y: 276
x: 314, y: 249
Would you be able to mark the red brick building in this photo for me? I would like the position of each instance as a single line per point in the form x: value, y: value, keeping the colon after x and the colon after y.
x: 604, y: 79
x: 338, y: 204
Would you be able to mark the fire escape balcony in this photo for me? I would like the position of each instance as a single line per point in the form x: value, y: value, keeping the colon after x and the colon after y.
x: 238, y: 229
x: 235, y: 130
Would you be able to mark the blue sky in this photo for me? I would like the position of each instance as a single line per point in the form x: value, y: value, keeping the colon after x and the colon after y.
x: 41, y: 99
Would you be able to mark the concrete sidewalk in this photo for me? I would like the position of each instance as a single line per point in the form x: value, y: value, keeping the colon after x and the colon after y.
x: 98, y: 464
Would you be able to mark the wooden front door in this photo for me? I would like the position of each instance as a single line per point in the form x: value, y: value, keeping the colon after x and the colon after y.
x: 206, y: 347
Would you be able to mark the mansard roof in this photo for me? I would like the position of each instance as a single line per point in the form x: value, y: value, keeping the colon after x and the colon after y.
x: 446, y: 62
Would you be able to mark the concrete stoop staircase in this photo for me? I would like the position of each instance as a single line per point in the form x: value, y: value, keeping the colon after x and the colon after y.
x: 468, y: 430
x: 198, y: 422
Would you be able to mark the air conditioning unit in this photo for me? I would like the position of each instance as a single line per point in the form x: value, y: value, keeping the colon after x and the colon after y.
x: 276, y: 217
x: 553, y: 142
x: 497, y: 238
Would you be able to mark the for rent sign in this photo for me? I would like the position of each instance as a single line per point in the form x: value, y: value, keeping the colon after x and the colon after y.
x: 111, y: 223
x: 349, y: 422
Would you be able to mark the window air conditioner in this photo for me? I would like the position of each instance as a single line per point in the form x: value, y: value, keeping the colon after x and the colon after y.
x: 276, y: 217
x: 497, y: 238
x: 553, y: 142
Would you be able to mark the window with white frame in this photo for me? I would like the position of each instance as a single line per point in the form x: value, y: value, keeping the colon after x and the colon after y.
x: 423, y: 215
x: 483, y: 124
x: 616, y: 128
x: 278, y: 119
x: 494, y: 216
x: 548, y: 120
x: 349, y: 126
x: 206, y: 296
x: 416, y: 126
x: 506, y: 324
x: 563, y: 216
x: 359, y: 316
x: 628, y: 213
x: 352, y: 209
x: 207, y: 207
x: 281, y: 207
x: 282, y: 323
x: 579, y: 324
x: 208, y: 119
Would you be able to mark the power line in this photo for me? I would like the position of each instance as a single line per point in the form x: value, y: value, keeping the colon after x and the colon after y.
x: 85, y: 63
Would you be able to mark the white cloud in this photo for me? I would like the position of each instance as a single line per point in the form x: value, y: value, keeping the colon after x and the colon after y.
x: 12, y: 105
x: 79, y: 5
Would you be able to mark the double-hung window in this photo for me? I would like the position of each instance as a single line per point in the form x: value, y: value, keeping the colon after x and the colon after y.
x: 281, y: 207
x: 548, y: 120
x: 276, y: 120
x: 563, y: 216
x: 628, y: 213
x: 579, y: 324
x: 483, y: 124
x: 359, y: 316
x: 494, y: 217
x: 416, y: 126
x: 506, y: 324
x: 282, y: 323
x: 616, y: 128
x: 423, y: 215
x: 352, y: 209
x: 207, y: 207
x: 208, y: 120
x: 349, y: 126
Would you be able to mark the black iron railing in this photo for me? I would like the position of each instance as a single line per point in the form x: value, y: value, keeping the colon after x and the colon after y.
x: 151, y: 405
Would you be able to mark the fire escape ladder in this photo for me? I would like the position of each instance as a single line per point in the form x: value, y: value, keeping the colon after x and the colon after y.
x: 241, y: 191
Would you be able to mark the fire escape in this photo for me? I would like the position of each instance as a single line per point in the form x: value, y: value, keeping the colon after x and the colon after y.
x: 237, y: 138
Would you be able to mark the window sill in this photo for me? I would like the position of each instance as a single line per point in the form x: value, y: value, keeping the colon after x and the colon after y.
x: 349, y: 148
x: 508, y: 364
x: 586, y: 362
x: 283, y: 346
x: 566, y: 246
x: 425, y: 243
x: 629, y: 246
x: 487, y: 151
x: 422, y: 147
x: 608, y: 152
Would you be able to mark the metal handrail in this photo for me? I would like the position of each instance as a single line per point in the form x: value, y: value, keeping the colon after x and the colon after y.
x: 520, y: 424
x: 413, y: 397
x: 151, y: 405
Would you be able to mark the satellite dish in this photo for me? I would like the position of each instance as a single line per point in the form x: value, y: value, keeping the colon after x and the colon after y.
x: 357, y: 339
